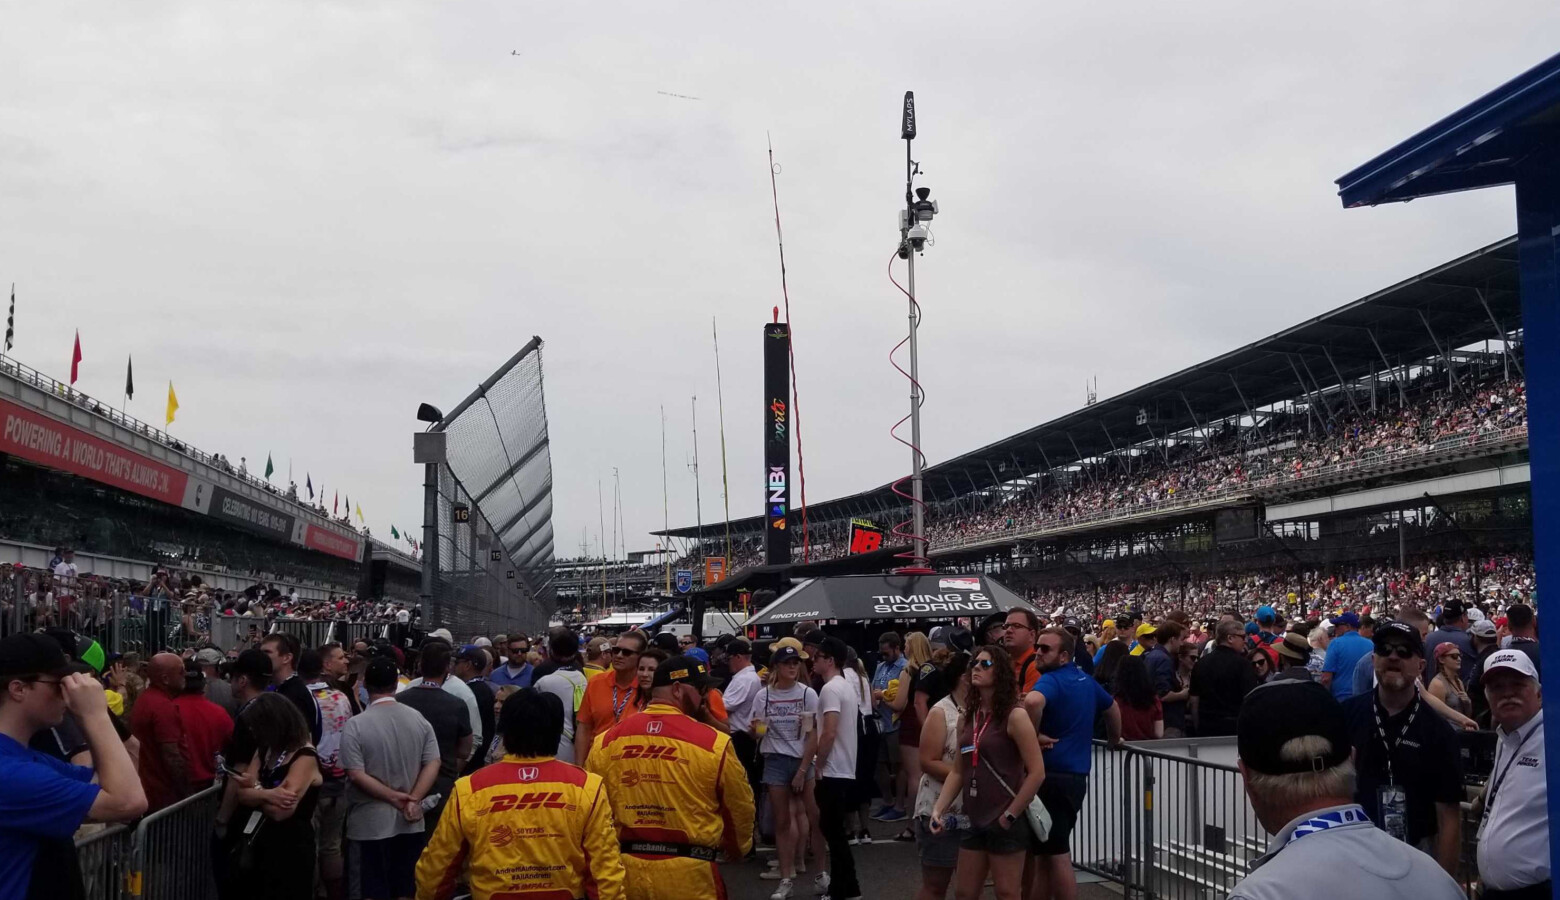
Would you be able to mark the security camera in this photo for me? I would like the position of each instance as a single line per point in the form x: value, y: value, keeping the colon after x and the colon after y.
x: 917, y: 236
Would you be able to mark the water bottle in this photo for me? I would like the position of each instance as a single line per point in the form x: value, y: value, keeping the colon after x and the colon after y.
x: 432, y: 800
x: 955, y: 822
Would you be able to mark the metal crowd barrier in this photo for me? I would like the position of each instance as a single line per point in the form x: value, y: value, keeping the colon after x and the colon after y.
x: 167, y: 856
x: 244, y: 632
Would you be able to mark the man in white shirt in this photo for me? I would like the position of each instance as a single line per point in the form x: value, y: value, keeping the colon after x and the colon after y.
x: 740, y: 694
x: 457, y: 688
x: 838, y: 707
x: 1514, y: 828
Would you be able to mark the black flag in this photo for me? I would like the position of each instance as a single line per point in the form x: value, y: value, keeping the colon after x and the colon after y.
x: 129, y: 378
x: 10, y: 322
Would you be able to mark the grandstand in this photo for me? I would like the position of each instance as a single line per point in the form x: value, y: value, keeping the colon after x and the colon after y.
x: 129, y: 498
x: 1379, y: 441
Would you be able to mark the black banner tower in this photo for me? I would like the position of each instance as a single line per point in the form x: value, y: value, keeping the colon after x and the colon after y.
x: 777, y: 443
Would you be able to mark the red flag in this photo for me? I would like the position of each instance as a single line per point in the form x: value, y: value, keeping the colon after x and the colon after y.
x: 75, y: 357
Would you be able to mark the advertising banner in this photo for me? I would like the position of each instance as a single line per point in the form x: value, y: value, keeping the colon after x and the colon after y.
x: 777, y: 443
x: 33, y: 436
x: 327, y: 541
x: 250, y: 515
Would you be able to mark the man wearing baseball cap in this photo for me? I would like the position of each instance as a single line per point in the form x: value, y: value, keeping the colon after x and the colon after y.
x: 1514, y: 827
x: 1293, y: 742
x: 1410, y: 771
x: 679, y: 795
x: 1344, y: 652
x: 46, y: 800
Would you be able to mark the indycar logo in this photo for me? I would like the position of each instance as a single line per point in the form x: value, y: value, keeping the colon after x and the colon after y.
x: 958, y: 584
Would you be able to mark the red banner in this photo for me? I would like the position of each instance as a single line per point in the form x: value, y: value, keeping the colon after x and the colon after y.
x: 34, y: 436
x: 326, y: 541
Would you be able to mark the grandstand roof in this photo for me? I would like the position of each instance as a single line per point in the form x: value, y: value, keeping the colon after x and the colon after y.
x: 1474, y: 147
x: 1438, y: 310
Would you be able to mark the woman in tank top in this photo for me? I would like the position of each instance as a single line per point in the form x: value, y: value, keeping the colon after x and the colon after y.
x: 939, y: 749
x: 998, y: 772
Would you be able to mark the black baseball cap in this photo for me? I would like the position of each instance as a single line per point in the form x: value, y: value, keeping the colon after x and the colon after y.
x: 474, y: 655
x: 252, y: 664
x: 738, y: 647
x: 1398, y: 632
x: 381, y: 671
x: 683, y: 670
x: 784, y: 654
x: 32, y: 654
x: 959, y: 638
x: 1280, y: 711
x: 665, y: 640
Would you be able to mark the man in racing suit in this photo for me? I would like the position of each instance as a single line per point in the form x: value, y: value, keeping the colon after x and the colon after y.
x: 679, y: 794
x: 529, y: 826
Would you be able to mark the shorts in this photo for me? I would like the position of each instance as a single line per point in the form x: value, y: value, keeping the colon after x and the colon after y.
x: 1062, y: 793
x: 997, y: 840
x: 937, y: 851
x: 388, y: 867
x: 330, y: 814
x: 779, y: 769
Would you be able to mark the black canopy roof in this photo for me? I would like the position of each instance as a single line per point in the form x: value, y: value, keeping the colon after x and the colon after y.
x: 863, y: 597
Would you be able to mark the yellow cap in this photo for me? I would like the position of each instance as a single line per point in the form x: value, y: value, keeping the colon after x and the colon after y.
x: 1145, y: 629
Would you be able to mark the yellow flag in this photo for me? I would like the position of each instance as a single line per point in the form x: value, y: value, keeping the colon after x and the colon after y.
x: 173, y: 404
x: 360, y: 512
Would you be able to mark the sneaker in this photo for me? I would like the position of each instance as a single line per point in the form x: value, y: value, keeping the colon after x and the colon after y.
x: 763, y: 847
x: 772, y: 875
x: 906, y: 836
x: 821, y: 884
x: 883, y: 812
x: 773, y: 863
x: 890, y: 815
x: 854, y: 840
x: 866, y: 837
x: 783, y: 890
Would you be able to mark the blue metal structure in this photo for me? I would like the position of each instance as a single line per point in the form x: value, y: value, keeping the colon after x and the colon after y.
x: 1509, y: 136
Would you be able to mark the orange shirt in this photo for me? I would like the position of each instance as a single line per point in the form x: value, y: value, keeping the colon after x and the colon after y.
x: 604, y: 704
x: 717, y: 704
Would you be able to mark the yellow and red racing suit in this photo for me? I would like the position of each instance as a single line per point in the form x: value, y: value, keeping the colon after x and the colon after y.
x: 531, y: 829
x: 680, y: 798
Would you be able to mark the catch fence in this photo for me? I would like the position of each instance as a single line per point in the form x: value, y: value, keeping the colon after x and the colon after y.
x: 487, y: 515
x: 1174, y: 822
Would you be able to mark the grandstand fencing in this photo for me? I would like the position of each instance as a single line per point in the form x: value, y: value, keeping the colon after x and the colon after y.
x: 487, y: 523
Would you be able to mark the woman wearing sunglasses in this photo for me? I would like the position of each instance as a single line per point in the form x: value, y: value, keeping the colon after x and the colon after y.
x: 1447, y: 685
x: 997, y: 773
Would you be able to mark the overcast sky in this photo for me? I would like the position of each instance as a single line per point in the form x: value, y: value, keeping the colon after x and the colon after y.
x: 312, y: 216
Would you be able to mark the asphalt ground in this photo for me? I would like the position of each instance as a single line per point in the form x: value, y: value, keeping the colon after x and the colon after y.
x: 885, y: 868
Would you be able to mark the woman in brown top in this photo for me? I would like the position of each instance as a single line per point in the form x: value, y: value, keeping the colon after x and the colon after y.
x: 998, y: 771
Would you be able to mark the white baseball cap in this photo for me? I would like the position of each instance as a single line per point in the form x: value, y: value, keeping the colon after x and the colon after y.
x: 1511, y: 659
x: 442, y: 634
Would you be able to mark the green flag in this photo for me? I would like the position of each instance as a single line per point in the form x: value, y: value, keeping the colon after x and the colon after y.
x: 395, y: 534
x: 268, y: 467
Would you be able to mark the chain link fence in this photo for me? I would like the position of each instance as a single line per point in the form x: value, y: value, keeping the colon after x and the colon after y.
x: 488, y: 536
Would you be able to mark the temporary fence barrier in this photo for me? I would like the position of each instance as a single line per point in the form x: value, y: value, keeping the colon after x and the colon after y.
x: 1174, y: 821
x: 165, y: 856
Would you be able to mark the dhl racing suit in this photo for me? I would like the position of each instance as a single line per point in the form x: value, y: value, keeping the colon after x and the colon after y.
x: 531, y: 829
x: 679, y: 797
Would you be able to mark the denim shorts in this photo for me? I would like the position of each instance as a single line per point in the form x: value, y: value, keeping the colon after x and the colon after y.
x: 779, y: 769
x: 937, y: 851
x: 998, y: 840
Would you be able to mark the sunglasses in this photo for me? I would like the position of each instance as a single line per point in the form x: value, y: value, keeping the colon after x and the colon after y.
x: 1452, y: 656
x: 625, y: 651
x: 1398, y: 650
x: 984, y: 663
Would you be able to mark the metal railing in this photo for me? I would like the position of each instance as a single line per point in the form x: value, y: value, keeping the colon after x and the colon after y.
x: 165, y: 856
x: 1358, y: 466
x: 1170, y: 819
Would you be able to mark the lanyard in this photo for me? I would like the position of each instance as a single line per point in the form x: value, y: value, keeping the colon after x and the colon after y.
x: 617, y: 708
x: 1489, y: 797
x: 977, y: 731
x: 1350, y: 815
x: 1381, y: 731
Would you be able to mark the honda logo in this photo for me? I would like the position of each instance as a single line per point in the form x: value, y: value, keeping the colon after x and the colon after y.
x: 529, y: 773
x: 653, y: 728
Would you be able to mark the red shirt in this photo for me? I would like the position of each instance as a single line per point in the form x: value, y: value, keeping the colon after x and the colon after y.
x: 155, y: 721
x: 207, y: 729
x: 1138, y: 724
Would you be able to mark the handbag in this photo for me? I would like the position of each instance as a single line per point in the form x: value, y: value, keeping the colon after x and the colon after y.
x: 1039, y: 817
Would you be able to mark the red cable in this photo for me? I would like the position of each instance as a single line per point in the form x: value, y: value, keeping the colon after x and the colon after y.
x: 796, y: 397
x: 920, y: 394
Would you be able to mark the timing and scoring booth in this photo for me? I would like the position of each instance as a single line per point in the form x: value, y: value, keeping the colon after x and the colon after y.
x: 1509, y: 136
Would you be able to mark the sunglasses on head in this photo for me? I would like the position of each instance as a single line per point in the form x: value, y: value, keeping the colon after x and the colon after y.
x: 984, y: 663
x: 1401, y: 651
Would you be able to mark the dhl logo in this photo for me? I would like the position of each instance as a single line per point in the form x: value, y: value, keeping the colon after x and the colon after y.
x: 530, y: 800
x: 641, y: 751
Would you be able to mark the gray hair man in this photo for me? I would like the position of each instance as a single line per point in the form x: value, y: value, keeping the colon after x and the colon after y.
x: 1514, y: 828
x: 1295, y: 757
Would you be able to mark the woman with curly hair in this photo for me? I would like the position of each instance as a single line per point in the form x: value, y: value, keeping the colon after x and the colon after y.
x: 997, y: 773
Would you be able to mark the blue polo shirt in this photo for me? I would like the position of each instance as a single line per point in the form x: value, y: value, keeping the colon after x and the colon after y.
x: 41, y: 800
x: 1343, y: 654
x: 1072, y: 701
x: 501, y: 676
